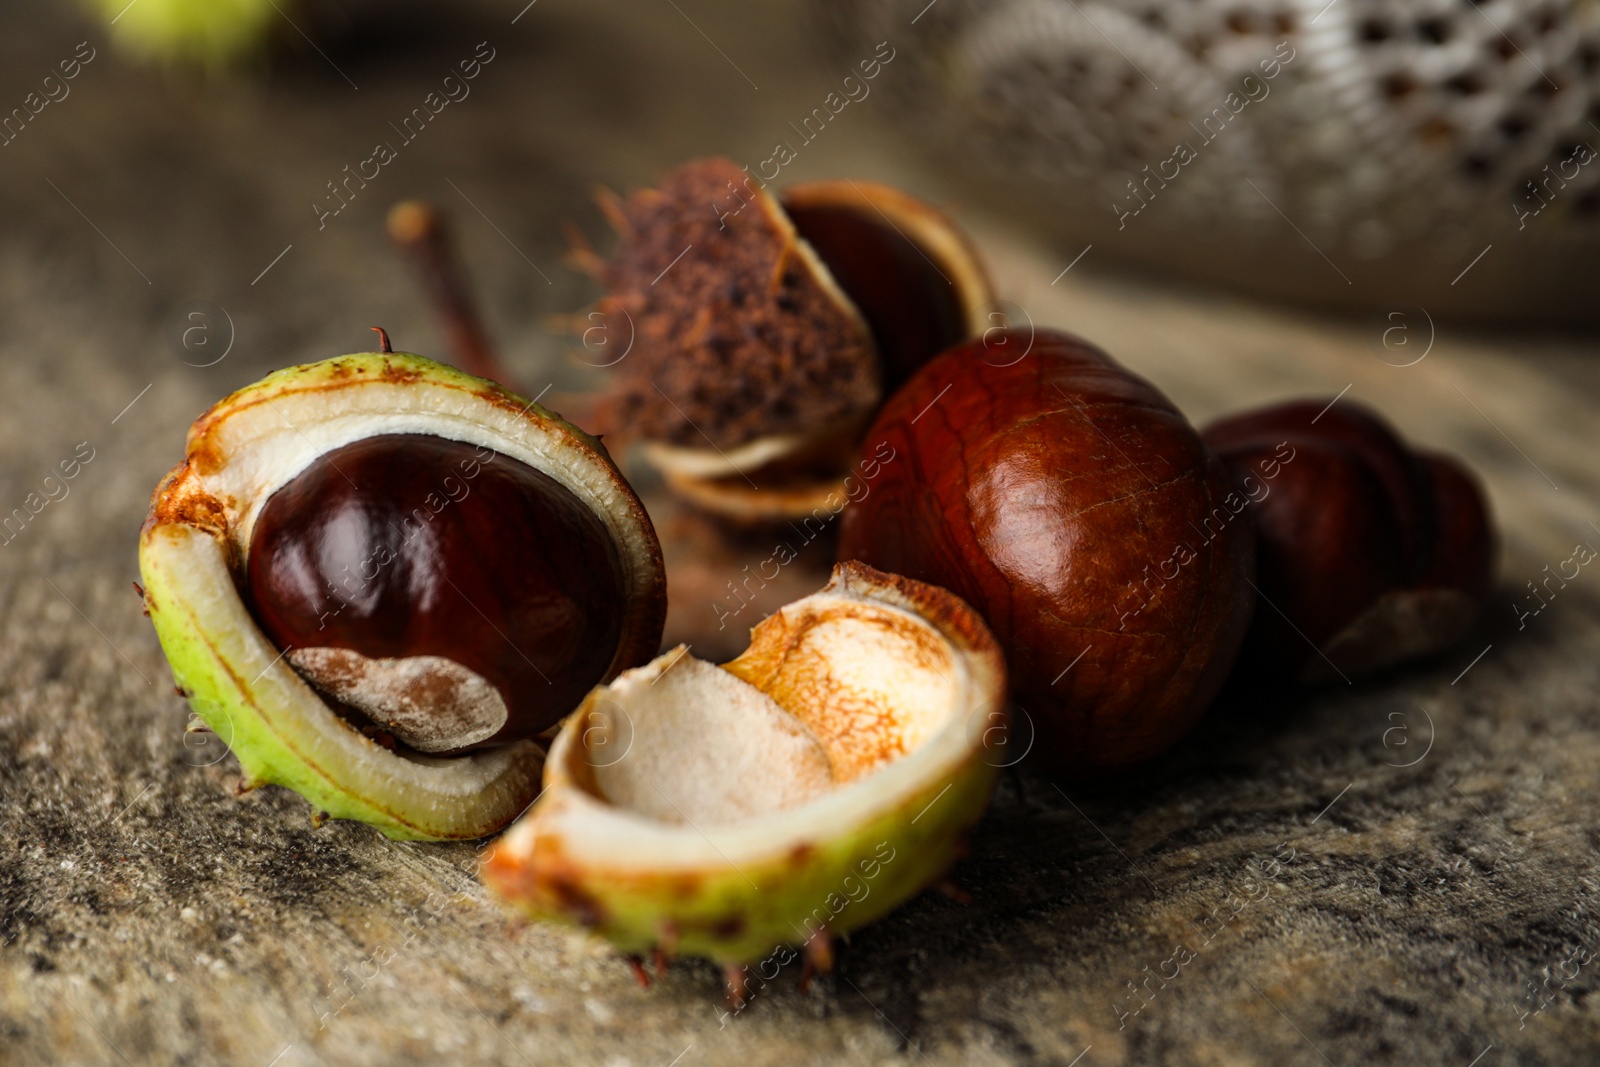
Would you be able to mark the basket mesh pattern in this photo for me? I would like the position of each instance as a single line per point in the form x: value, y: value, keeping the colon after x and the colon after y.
x: 1384, y: 122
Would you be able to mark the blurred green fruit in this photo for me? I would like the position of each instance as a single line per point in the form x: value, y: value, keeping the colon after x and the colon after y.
x: 207, y: 33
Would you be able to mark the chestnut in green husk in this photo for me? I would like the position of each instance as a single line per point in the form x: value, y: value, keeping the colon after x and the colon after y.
x: 369, y: 563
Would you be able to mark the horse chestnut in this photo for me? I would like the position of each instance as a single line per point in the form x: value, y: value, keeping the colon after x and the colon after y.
x: 1079, y: 512
x: 1368, y: 553
x: 367, y: 563
x: 403, y: 572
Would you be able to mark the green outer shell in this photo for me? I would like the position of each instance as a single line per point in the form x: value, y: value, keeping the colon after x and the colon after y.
x: 736, y: 892
x: 742, y: 914
x: 310, y: 376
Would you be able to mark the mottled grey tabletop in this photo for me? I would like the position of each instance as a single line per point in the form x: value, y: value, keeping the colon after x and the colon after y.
x: 1403, y: 871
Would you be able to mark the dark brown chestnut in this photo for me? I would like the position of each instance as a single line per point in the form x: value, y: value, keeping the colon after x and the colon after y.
x: 1070, y: 503
x: 390, y: 563
x: 1368, y: 553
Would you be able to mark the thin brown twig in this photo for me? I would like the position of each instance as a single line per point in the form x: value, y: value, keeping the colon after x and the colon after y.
x: 420, y: 230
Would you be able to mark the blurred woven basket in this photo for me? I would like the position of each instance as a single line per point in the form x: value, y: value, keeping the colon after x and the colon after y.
x: 1392, y: 142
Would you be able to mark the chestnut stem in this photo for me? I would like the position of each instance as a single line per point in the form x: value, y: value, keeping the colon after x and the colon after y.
x: 383, y: 338
x: 421, y: 232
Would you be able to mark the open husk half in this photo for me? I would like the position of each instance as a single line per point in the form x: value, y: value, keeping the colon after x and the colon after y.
x: 194, y: 543
x: 802, y: 790
x: 767, y: 328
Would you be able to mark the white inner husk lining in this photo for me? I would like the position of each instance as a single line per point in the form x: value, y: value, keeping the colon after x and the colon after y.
x: 841, y: 688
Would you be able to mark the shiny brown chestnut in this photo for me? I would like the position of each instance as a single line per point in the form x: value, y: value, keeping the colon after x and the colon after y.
x: 1070, y: 503
x: 1368, y: 553
x: 455, y: 596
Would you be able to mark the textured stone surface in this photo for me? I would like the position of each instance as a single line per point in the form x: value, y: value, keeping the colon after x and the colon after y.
x: 1436, y: 833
